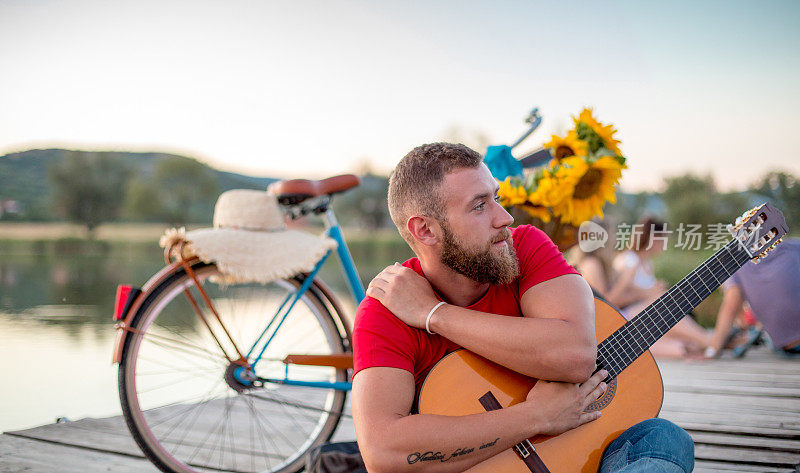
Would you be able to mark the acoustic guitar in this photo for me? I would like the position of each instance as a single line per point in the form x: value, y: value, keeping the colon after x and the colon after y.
x: 464, y: 383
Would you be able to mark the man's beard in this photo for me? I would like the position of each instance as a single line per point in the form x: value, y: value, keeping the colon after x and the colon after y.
x: 480, y: 265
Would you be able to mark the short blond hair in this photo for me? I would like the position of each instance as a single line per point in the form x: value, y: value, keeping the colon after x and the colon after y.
x: 414, y: 186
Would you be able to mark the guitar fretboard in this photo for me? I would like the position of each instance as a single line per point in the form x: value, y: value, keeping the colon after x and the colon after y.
x: 631, y: 340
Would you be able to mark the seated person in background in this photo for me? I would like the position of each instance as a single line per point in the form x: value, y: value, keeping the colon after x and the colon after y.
x: 636, y: 287
x: 505, y: 294
x: 772, y: 289
x: 596, y: 267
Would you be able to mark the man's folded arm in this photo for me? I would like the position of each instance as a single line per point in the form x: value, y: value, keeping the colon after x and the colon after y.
x: 391, y: 440
x: 555, y: 340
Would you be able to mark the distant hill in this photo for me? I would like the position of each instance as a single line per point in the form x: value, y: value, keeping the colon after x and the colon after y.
x: 26, y: 190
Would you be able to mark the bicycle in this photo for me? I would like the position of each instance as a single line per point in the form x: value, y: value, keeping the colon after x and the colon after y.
x: 218, y: 376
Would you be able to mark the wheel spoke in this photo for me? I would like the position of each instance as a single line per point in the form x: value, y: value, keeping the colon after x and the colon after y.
x: 186, y: 347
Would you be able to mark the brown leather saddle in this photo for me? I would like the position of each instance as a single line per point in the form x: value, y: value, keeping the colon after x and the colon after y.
x: 294, y: 191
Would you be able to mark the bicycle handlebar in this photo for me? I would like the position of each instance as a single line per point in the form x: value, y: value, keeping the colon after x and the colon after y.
x: 534, y: 120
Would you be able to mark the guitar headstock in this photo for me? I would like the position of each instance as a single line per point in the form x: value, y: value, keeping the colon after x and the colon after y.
x: 759, y: 230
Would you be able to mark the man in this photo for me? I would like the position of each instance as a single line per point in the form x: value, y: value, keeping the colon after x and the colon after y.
x: 508, y: 296
x: 772, y: 289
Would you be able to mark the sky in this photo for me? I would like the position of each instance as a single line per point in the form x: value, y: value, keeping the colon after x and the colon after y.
x: 311, y: 89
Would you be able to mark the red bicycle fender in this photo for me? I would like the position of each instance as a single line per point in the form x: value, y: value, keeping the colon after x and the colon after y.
x: 153, y: 282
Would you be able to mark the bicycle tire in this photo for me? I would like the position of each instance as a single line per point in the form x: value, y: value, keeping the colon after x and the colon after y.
x: 257, y: 430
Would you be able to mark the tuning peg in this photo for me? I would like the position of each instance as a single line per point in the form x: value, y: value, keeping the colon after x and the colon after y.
x: 772, y: 246
x: 757, y: 259
x: 743, y: 218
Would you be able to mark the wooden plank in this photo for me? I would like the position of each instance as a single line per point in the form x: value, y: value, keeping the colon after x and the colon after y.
x: 735, y: 419
x: 789, y: 393
x: 718, y: 380
x: 777, y: 369
x: 740, y: 455
x: 792, y: 387
x: 734, y: 403
x: 780, y: 372
x: 740, y: 417
x: 748, y: 403
x: 771, y: 420
x: 706, y: 466
x: 102, y: 435
x: 784, y: 379
x: 761, y: 357
x: 35, y: 456
x: 756, y: 355
x: 746, y: 441
x: 735, y: 429
x: 723, y: 409
x: 111, y: 435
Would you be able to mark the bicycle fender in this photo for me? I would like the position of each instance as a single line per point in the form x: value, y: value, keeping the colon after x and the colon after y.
x: 124, y: 323
x: 346, y: 323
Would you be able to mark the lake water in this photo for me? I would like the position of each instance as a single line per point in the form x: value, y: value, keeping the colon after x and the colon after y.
x: 56, y: 331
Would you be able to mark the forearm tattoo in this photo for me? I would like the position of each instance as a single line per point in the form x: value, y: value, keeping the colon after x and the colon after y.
x: 441, y: 457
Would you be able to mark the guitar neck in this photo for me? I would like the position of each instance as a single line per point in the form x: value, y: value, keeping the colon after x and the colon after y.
x: 631, y: 340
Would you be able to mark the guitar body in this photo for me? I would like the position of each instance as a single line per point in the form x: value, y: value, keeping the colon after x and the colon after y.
x: 455, y: 384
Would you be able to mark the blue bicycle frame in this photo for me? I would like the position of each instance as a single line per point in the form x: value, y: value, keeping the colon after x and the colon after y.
x: 334, y: 231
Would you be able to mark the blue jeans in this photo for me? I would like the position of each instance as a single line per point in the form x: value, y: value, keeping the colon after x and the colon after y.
x: 653, y: 446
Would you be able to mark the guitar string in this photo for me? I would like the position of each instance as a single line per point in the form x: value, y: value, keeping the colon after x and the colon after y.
x: 630, y: 352
x: 726, y: 266
x: 652, y: 322
x: 727, y: 269
x: 647, y: 315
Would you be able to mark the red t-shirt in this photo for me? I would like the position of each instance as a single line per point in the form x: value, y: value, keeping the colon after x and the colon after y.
x: 381, y: 339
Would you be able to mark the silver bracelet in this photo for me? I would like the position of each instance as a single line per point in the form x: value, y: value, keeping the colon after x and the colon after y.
x: 430, y: 314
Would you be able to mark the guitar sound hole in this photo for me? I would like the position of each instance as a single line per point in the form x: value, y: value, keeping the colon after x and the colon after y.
x: 603, y: 401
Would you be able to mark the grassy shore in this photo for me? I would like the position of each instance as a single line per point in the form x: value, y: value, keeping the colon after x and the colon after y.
x: 59, y: 238
x: 130, y: 232
x: 371, y: 250
x: 137, y: 232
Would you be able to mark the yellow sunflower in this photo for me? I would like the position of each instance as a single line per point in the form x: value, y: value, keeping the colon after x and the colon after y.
x: 567, y: 146
x: 511, y: 194
x: 592, y: 185
x: 550, y: 189
x: 605, y: 133
x: 586, y: 117
x: 535, y: 206
x: 537, y: 211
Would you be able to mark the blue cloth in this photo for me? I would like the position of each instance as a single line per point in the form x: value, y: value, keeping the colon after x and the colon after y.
x: 502, y: 163
x: 772, y: 288
x: 652, y: 446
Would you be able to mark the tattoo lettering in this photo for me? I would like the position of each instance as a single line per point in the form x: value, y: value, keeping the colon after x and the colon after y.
x: 459, y: 452
x: 434, y: 456
x: 424, y: 457
x: 489, y: 444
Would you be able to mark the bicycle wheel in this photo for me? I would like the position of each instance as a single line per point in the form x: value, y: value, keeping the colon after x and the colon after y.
x: 186, y: 410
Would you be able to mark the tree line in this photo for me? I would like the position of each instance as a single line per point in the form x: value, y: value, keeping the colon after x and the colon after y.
x: 696, y: 199
x: 91, y: 188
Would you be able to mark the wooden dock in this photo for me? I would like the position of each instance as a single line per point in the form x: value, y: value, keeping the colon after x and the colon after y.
x: 744, y: 416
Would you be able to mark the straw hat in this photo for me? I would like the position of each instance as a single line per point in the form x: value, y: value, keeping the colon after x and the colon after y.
x: 250, y: 241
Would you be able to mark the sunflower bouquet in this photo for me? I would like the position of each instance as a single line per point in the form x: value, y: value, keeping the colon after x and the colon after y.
x: 574, y: 186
